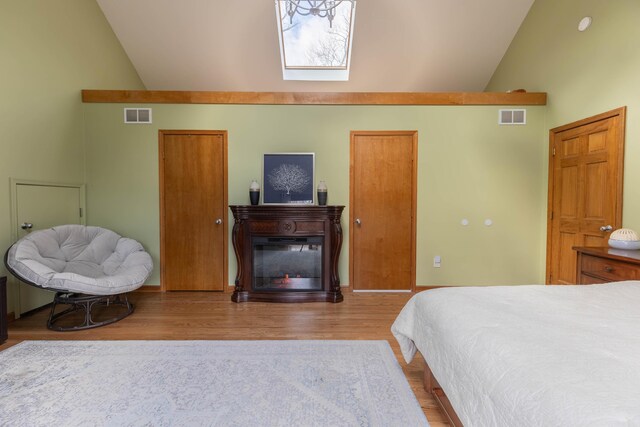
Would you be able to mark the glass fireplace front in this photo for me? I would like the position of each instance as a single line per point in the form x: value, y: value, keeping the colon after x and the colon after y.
x: 283, y: 263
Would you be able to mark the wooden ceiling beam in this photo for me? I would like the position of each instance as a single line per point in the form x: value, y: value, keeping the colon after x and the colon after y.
x: 314, y: 98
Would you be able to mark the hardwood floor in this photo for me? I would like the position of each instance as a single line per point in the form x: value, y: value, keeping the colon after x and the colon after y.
x: 212, y: 316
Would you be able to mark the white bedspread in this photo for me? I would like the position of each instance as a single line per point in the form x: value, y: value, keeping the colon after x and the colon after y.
x: 531, y: 355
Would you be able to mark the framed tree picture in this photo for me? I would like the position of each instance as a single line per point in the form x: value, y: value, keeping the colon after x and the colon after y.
x: 287, y: 178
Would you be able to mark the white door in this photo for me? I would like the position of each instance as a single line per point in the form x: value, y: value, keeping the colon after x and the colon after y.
x: 38, y: 207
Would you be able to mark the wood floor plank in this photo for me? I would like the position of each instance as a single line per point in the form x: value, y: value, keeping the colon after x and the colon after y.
x: 212, y: 316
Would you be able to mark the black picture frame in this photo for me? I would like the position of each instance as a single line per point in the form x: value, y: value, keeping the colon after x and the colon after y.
x: 288, y: 178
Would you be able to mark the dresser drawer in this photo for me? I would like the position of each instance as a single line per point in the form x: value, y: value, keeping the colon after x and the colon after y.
x: 589, y: 280
x: 608, y: 269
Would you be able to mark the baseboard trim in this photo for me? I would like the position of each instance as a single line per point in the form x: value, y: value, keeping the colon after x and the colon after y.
x: 420, y: 288
x: 149, y: 288
x: 36, y: 310
x: 386, y: 291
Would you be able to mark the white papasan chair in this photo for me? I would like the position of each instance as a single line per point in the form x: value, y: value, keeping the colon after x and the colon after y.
x: 87, y: 267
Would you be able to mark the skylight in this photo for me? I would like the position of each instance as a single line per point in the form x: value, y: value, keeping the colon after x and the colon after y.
x: 315, y: 38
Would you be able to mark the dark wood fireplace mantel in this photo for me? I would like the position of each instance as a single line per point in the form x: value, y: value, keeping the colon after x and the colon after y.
x: 287, y: 221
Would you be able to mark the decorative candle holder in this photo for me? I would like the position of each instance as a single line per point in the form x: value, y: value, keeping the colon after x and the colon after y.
x: 254, y: 192
x: 322, y: 193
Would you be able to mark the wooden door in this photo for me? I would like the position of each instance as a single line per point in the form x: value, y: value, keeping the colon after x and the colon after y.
x: 40, y: 206
x: 585, y: 189
x: 383, y: 210
x: 193, y: 211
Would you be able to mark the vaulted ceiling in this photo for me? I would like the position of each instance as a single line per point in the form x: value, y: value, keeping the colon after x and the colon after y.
x: 398, y: 45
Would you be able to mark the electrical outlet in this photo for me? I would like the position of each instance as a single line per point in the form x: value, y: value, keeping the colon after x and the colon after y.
x: 436, y: 261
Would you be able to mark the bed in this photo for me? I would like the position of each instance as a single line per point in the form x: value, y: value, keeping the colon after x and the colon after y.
x: 529, y: 355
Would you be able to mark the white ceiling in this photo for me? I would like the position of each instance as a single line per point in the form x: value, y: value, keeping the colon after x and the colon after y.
x: 398, y: 45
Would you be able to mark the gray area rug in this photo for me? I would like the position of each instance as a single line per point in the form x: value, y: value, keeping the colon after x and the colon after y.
x: 205, y: 383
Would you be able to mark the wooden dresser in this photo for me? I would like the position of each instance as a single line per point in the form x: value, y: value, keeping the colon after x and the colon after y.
x: 602, y: 265
x: 3, y: 309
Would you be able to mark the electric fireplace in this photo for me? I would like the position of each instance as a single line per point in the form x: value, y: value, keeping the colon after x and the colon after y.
x: 287, y: 253
x: 287, y: 263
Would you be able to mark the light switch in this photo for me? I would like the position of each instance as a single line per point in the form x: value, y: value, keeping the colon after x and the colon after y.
x: 436, y: 261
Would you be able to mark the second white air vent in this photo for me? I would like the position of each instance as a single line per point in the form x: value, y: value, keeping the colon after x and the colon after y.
x: 512, y: 117
x: 137, y: 115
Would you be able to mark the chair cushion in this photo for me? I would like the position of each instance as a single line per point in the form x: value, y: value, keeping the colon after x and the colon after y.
x: 77, y: 258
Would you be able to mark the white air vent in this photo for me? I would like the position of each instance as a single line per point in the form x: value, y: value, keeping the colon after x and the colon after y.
x: 512, y: 117
x: 137, y: 115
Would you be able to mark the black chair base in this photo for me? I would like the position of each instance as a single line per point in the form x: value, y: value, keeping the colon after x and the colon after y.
x: 87, y: 304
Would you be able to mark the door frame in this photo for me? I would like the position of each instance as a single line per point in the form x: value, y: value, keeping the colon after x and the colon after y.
x: 414, y: 204
x: 13, y: 218
x: 620, y: 130
x: 225, y: 190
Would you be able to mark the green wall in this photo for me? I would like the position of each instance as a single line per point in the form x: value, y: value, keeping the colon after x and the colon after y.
x: 50, y: 51
x: 468, y: 167
x: 584, y: 73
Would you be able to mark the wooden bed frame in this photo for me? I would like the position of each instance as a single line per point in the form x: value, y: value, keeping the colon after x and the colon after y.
x: 432, y: 386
